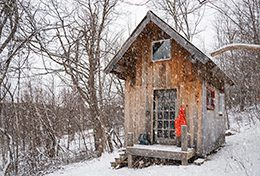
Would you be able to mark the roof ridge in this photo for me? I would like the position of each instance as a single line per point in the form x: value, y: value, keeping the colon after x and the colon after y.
x: 196, y: 54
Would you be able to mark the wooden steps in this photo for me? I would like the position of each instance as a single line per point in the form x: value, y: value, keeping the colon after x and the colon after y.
x: 121, y: 161
x: 139, y: 156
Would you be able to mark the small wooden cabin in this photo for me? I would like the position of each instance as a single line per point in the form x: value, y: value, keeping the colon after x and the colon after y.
x: 162, y: 70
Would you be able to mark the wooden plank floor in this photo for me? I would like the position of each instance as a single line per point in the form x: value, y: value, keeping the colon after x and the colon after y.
x: 159, y: 151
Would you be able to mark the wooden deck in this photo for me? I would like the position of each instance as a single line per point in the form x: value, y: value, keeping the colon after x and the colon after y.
x: 159, y: 151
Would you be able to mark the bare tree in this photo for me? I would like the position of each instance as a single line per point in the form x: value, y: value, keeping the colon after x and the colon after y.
x: 15, y: 31
x: 33, y: 121
x: 81, y: 50
x: 235, y: 46
x: 237, y: 27
x: 185, y: 15
x: 9, y: 164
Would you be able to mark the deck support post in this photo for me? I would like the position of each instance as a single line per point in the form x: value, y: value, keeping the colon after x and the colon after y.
x: 184, y: 160
x: 130, y: 161
x: 184, y: 138
x: 130, y: 143
x: 130, y: 139
x: 184, y: 144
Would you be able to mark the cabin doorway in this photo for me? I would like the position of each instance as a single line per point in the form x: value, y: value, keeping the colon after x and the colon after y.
x: 164, y: 114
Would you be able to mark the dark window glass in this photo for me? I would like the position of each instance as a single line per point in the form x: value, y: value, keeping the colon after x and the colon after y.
x: 161, y: 50
x: 160, y: 133
x: 172, y: 134
x: 159, y: 124
x: 210, y: 98
x: 166, y: 134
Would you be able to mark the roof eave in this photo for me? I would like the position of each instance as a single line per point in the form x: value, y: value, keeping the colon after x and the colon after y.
x: 165, y: 27
x: 196, y: 54
x: 128, y: 42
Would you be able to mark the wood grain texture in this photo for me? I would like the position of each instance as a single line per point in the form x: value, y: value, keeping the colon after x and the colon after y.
x: 160, y: 152
x: 176, y: 73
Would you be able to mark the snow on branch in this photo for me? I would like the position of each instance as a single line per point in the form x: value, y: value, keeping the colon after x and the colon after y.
x: 7, y: 166
x: 235, y: 46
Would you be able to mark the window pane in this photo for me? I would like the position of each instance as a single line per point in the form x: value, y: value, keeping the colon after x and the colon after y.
x: 172, y: 115
x: 160, y: 115
x: 166, y: 124
x: 159, y: 133
x: 159, y: 124
x: 161, y: 50
x: 172, y: 124
x: 172, y: 134
x: 221, y: 103
x: 166, y: 134
x: 210, y: 98
x: 166, y: 114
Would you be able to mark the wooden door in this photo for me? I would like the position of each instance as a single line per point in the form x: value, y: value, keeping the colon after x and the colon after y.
x: 164, y: 108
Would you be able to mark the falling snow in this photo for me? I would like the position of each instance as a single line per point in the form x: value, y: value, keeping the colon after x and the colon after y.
x: 239, y: 156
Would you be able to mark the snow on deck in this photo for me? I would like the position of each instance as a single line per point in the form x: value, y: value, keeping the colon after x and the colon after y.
x: 169, y: 148
x: 160, y: 151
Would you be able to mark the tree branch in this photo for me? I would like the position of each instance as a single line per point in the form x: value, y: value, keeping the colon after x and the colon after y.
x: 235, y: 46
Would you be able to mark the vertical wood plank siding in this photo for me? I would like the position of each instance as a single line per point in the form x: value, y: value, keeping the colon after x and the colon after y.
x: 176, y: 73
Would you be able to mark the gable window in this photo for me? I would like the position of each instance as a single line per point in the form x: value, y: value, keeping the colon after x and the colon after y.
x: 210, y: 98
x: 161, y: 50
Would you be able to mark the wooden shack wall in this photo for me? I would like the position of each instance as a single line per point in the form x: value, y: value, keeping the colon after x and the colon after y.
x: 214, y: 124
x: 178, y: 73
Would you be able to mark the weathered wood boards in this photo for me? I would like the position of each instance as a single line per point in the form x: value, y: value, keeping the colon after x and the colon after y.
x: 159, y: 151
x: 177, y: 73
x: 188, y: 71
x: 130, y: 139
x: 184, y: 138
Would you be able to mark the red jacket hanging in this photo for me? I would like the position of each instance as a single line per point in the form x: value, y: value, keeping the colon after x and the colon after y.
x: 179, y: 121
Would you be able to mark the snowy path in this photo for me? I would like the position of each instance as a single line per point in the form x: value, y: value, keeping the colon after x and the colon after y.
x: 240, y: 156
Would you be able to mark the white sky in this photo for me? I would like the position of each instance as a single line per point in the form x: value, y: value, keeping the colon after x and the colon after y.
x: 133, y: 14
x: 130, y: 16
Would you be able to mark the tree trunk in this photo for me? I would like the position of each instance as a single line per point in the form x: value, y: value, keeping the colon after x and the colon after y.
x: 98, y: 138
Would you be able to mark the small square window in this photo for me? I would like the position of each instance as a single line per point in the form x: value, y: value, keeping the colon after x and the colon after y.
x: 161, y: 50
x: 210, y: 98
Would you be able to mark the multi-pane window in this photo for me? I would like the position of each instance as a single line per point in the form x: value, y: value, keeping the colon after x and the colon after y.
x: 164, y: 114
x: 161, y: 50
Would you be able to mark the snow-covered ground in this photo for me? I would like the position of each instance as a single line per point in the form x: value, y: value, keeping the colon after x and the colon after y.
x: 240, y: 156
x: 1, y: 164
x: 77, y: 143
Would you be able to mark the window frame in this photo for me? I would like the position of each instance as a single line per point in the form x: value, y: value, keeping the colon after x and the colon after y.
x: 210, y: 100
x: 221, y: 103
x: 155, y: 117
x: 170, y: 54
